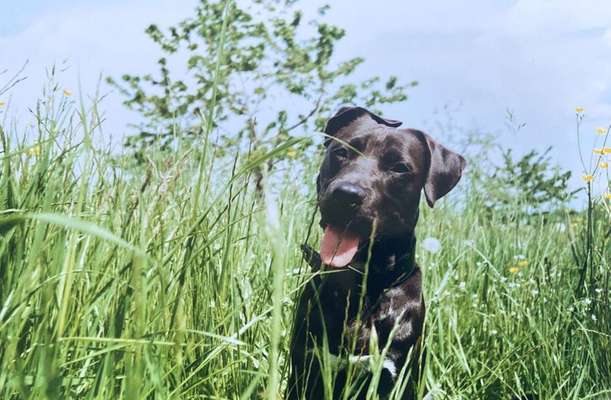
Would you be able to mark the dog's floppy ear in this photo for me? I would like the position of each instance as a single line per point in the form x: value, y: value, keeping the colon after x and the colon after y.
x: 345, y: 115
x: 445, y: 170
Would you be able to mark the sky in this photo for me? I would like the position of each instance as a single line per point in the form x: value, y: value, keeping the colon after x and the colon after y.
x: 476, y: 61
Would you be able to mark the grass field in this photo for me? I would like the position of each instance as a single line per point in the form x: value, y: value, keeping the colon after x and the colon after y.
x: 176, y: 280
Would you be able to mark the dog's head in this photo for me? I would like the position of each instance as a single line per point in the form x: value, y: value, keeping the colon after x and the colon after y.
x: 372, y: 175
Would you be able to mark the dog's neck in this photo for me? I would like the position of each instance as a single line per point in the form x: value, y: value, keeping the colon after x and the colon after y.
x: 390, y: 259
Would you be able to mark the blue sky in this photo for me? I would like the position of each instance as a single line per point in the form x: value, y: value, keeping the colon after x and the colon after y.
x: 475, y: 59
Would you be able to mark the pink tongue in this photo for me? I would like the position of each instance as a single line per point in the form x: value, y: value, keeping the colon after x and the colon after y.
x: 337, y: 248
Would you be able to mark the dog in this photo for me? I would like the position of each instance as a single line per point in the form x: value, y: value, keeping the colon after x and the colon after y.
x: 369, y: 290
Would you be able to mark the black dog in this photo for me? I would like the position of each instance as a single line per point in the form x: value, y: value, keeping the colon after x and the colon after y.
x: 369, y: 189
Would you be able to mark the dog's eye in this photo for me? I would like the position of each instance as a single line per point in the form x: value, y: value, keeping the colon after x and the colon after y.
x: 340, y: 152
x: 401, y: 168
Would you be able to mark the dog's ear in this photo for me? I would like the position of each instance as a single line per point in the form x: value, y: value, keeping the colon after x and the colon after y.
x: 345, y: 115
x: 445, y: 170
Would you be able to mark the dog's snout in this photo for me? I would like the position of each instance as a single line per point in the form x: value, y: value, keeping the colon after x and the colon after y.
x: 348, y: 194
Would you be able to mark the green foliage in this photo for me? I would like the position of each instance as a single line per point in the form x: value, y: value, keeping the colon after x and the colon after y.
x: 270, y: 63
x: 207, y: 310
x: 531, y: 181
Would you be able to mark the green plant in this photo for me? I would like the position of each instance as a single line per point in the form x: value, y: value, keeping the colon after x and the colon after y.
x: 271, y: 59
x: 531, y: 181
x: 122, y: 285
x: 590, y: 245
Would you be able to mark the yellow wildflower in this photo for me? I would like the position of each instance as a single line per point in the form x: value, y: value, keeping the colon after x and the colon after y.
x: 522, y: 263
x: 34, y: 151
x: 2, y: 104
x: 606, y: 150
x: 579, y: 110
x: 601, y: 131
x: 598, y: 151
x: 67, y: 93
x: 588, y: 178
x: 514, y: 270
x: 603, y: 165
x: 291, y: 153
x: 607, y: 196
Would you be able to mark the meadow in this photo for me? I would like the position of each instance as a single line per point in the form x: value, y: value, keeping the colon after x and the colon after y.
x: 177, y: 278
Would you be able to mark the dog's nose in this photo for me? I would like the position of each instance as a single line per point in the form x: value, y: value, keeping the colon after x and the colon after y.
x: 348, y: 194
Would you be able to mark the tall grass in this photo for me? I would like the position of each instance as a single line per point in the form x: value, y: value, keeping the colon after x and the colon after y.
x: 176, y: 279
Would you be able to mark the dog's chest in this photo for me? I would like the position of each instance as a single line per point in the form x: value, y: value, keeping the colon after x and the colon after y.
x: 343, y: 304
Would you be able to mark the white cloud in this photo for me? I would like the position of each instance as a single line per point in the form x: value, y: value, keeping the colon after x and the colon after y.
x: 607, y: 37
x: 105, y: 39
x: 559, y: 16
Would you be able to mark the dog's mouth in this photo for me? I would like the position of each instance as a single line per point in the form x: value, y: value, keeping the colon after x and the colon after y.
x: 338, y: 246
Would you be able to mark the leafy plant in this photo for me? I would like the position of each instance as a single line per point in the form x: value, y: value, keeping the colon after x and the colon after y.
x: 531, y: 180
x: 590, y: 244
x: 272, y: 62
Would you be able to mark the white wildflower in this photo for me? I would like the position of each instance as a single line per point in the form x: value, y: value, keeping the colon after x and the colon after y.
x: 431, y: 244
